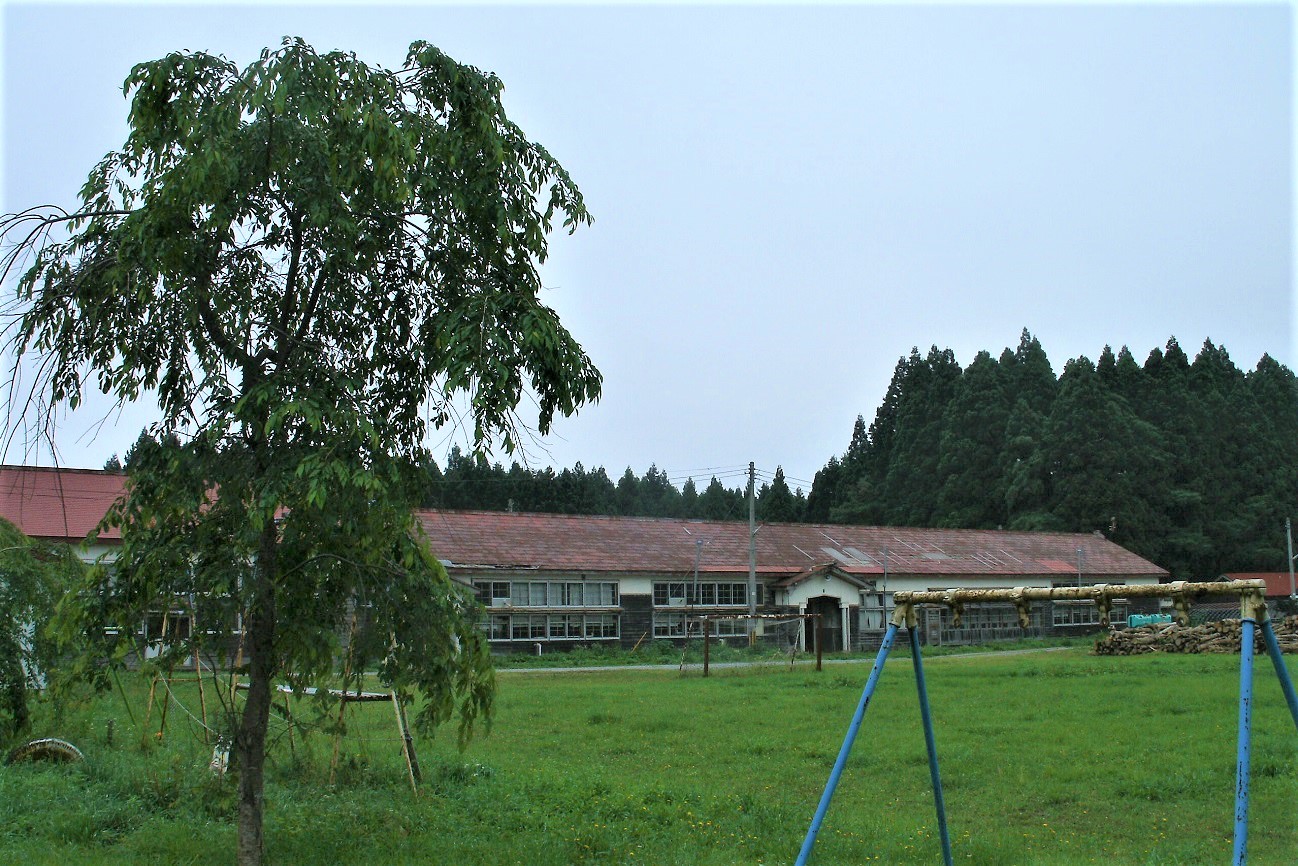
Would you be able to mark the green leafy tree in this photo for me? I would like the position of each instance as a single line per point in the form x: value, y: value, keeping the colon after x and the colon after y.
x: 310, y: 263
x: 34, y: 576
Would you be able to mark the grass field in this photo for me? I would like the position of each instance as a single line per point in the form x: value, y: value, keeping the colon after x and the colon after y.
x: 1049, y: 758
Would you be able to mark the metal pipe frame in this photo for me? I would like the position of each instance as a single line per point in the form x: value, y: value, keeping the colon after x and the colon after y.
x: 1244, y: 747
x: 1281, y: 672
x: 1253, y: 613
x: 1104, y: 594
x: 810, y: 841
x: 1082, y: 593
x: 930, y: 743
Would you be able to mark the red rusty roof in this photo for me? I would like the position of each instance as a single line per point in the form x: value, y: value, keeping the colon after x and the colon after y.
x: 1277, y: 582
x: 61, y: 504
x: 570, y: 543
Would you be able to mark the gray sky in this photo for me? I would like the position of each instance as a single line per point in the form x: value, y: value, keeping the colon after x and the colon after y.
x: 787, y: 200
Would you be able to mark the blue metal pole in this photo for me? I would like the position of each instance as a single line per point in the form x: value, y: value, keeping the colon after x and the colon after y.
x: 1282, y: 672
x: 1245, y: 731
x: 931, y: 744
x: 834, y: 774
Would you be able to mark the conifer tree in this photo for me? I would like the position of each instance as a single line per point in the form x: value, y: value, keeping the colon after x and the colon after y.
x: 970, y: 464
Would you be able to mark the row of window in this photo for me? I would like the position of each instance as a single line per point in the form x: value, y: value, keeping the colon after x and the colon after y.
x: 562, y: 626
x: 709, y: 594
x: 546, y: 593
x: 1005, y: 616
x: 1084, y: 613
x: 676, y: 624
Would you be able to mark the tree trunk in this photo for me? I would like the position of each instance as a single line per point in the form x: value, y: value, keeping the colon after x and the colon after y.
x: 250, y: 742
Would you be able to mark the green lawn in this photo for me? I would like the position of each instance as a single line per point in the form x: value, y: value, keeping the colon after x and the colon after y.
x: 1051, y: 758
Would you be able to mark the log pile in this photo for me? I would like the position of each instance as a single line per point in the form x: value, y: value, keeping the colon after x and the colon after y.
x: 1222, y: 636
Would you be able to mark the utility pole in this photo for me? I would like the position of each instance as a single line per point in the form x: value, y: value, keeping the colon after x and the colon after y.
x: 1288, y: 534
x: 752, y: 552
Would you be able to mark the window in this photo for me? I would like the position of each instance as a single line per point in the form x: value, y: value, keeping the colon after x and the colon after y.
x: 537, y: 593
x: 492, y: 593
x: 704, y: 594
x: 568, y: 594
x: 565, y: 626
x: 674, y: 625
x: 1068, y: 612
x: 498, y: 628
x: 669, y: 625
x: 555, y: 626
x: 729, y: 627
x: 530, y: 594
x: 601, y: 625
x: 601, y: 594
x: 526, y: 627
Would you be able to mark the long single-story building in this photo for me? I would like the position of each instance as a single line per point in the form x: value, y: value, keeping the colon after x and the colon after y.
x: 568, y: 580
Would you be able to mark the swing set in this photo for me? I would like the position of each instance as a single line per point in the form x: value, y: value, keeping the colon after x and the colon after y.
x: 1253, y: 616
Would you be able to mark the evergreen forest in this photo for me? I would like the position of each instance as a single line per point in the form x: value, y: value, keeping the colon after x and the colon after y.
x: 470, y: 481
x: 1191, y: 464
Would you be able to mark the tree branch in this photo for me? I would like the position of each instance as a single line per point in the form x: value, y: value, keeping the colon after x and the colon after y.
x: 216, y: 333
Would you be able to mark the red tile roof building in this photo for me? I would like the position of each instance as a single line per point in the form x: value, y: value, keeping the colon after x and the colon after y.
x: 532, y: 570
x: 58, y: 504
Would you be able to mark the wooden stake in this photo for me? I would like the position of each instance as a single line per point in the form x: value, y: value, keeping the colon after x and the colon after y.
x: 288, y: 714
x: 198, y: 671
x: 407, y: 744
x: 148, y: 710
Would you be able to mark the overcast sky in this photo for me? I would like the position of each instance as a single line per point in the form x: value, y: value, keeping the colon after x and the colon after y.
x: 786, y: 200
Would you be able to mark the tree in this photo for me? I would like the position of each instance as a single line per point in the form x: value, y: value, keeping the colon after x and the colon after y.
x: 911, y: 485
x: 971, y: 450
x: 1096, y: 452
x: 33, y: 577
x: 310, y: 263
x: 777, y: 503
x: 628, y: 494
x: 658, y: 496
x: 689, y: 499
x: 720, y: 503
x: 824, y: 491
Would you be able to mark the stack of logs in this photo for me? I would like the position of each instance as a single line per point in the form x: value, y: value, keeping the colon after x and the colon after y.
x: 1222, y: 636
